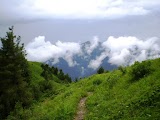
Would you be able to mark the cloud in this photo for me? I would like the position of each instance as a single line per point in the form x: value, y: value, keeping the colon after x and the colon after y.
x: 41, y: 50
x: 74, y: 9
x: 120, y: 51
x: 93, y: 8
x: 93, y: 44
x: 94, y: 64
x: 127, y: 50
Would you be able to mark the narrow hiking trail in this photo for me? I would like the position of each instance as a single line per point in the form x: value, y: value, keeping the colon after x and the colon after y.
x: 82, y: 108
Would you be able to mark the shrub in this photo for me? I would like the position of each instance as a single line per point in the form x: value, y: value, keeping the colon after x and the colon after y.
x: 112, y: 80
x: 140, y: 70
x: 122, y: 69
x: 100, y: 70
x: 97, y: 82
x: 36, y: 91
x: 45, y: 85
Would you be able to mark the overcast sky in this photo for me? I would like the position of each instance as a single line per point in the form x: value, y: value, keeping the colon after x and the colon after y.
x: 80, y: 20
x: 77, y: 21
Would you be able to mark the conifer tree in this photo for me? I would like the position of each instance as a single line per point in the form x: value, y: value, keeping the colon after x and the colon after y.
x: 56, y: 71
x: 61, y: 75
x: 14, y: 74
x: 100, y: 70
x: 68, y: 78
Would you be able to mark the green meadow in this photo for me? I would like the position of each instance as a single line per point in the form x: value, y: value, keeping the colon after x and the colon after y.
x: 116, y: 95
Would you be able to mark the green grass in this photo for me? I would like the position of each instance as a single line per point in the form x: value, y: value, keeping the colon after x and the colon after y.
x: 119, y: 98
x: 35, y: 70
x: 114, y: 97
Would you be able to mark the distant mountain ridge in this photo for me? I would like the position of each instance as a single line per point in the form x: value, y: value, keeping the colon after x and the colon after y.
x: 81, y: 68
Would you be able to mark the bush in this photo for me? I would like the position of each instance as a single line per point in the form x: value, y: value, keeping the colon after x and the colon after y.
x: 45, y: 85
x: 122, y: 69
x: 140, y: 70
x: 97, y: 82
x: 100, y: 70
x: 112, y: 80
x: 36, y: 91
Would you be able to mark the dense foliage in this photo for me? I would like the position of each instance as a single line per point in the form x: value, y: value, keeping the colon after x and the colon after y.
x: 122, y: 69
x: 20, y: 85
x: 14, y: 74
x: 100, y: 70
x: 48, y: 73
x: 140, y: 70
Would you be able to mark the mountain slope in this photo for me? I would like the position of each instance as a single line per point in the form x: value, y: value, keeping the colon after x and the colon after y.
x: 115, y: 95
x: 93, y: 54
x: 82, y: 68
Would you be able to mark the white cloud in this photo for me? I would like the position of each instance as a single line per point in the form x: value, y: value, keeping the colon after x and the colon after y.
x: 92, y: 8
x: 73, y: 9
x: 120, y: 58
x: 88, y: 8
x: 94, y: 64
x: 127, y: 50
x: 93, y: 44
x: 41, y: 50
x: 120, y: 51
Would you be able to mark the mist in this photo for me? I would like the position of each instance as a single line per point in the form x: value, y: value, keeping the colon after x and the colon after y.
x: 124, y: 50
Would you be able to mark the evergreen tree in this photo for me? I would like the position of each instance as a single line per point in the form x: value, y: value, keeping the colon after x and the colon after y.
x: 61, y: 75
x: 52, y: 69
x: 76, y: 80
x: 68, y: 78
x: 56, y: 71
x: 47, y: 72
x: 100, y: 70
x: 14, y: 74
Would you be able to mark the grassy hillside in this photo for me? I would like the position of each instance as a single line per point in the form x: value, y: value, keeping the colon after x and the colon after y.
x: 115, y: 95
x: 37, y: 79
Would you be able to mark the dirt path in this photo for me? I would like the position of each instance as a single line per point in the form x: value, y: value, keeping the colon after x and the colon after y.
x: 81, y: 108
